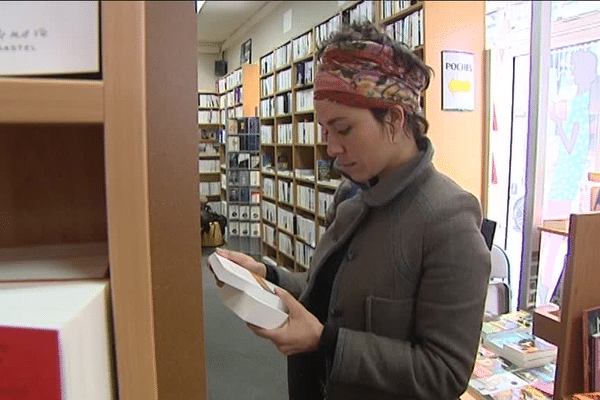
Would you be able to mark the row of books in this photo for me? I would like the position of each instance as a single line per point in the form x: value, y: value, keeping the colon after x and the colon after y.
x: 208, y: 148
x: 243, y: 125
x: 283, y: 55
x: 285, y: 244
x: 266, y: 63
x: 230, y: 81
x: 304, y: 254
x: 269, y: 211
x: 324, y: 30
x: 243, y: 160
x: 209, y: 166
x: 408, y: 30
x: 269, y: 235
x: 244, y: 229
x: 243, y: 142
x: 284, y: 79
x: 209, y: 116
x: 208, y: 100
x: 238, y: 212
x: 305, y: 72
x: 304, y: 100
x: 285, y: 133
x: 285, y: 191
x: 283, y: 104
x: 361, y: 12
x: 267, y: 86
x: 266, y: 133
x: 393, y: 7
x: 305, y: 197
x: 210, y: 188
x: 305, y: 229
x: 243, y: 195
x: 285, y: 219
x: 268, y: 187
x: 267, y: 107
x: 302, y: 46
x: 243, y: 178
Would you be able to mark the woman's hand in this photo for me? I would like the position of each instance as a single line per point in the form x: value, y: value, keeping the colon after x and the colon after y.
x: 245, y: 261
x: 300, y: 333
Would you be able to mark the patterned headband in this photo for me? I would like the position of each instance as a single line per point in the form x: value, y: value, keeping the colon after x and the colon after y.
x: 365, y: 74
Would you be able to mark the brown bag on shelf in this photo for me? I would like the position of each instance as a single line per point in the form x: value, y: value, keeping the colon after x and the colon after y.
x: 213, y: 237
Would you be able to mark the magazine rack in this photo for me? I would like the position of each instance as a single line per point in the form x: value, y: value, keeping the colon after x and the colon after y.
x: 581, y: 290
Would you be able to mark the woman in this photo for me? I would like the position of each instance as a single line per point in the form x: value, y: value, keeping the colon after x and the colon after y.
x: 392, y: 305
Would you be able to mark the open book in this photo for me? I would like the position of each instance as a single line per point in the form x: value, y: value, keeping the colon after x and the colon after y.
x: 248, y: 295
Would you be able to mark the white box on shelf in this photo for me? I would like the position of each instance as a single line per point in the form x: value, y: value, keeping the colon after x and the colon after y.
x: 249, y: 296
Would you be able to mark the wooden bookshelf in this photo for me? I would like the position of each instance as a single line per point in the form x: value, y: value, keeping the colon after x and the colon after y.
x: 581, y: 285
x: 88, y: 161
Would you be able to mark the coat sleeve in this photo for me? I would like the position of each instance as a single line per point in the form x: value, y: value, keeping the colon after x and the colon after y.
x: 436, y: 363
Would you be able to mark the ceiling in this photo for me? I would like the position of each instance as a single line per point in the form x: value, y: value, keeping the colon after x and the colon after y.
x: 219, y: 21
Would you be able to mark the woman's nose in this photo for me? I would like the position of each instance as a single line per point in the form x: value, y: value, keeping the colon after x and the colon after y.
x: 334, y: 147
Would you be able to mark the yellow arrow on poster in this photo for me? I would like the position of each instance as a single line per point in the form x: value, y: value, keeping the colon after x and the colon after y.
x: 459, y: 86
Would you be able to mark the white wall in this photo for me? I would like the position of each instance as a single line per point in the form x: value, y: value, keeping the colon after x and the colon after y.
x: 266, y: 32
x: 206, y: 71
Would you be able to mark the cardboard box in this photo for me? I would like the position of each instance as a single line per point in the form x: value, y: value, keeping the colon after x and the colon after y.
x: 249, y: 296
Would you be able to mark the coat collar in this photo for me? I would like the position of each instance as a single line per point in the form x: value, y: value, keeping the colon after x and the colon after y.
x: 396, y: 181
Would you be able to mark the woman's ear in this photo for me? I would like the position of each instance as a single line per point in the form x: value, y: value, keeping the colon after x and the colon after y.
x: 396, y: 118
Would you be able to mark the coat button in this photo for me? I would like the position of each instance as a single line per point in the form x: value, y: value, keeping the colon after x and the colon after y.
x: 336, y: 312
x: 350, y: 255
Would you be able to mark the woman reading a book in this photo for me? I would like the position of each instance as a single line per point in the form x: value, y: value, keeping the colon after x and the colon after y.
x: 392, y: 305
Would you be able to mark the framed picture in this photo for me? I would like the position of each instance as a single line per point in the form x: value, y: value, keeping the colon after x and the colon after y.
x: 246, y: 52
x: 458, y: 81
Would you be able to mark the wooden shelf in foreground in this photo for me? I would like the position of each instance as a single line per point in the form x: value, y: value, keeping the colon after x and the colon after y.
x: 38, y: 100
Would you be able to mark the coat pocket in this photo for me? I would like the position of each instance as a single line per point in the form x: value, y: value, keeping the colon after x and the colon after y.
x: 390, y: 318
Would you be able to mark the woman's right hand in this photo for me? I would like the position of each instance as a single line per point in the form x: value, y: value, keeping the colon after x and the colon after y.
x: 245, y: 261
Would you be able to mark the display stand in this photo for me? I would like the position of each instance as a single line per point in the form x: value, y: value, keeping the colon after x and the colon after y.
x: 581, y: 290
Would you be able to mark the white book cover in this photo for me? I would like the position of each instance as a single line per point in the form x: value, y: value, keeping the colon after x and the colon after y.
x: 248, y: 295
x: 69, y: 323
x: 49, y: 37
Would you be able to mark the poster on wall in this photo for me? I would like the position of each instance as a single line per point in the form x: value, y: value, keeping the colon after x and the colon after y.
x: 458, y: 81
x: 246, y: 52
x: 49, y: 37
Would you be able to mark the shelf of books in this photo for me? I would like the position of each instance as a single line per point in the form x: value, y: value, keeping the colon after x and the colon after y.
x: 209, y: 149
x: 238, y: 94
x: 243, y: 185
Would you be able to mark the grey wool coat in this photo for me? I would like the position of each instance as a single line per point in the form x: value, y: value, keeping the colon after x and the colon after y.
x: 409, y: 294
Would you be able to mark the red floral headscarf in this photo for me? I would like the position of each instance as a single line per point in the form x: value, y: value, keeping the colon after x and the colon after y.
x: 366, y: 74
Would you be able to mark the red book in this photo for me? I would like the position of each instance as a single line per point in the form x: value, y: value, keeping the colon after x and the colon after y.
x: 29, y: 364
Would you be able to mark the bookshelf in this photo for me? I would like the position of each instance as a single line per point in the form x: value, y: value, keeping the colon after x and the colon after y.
x: 209, y: 149
x: 581, y: 285
x: 243, y: 185
x: 238, y: 100
x: 99, y: 161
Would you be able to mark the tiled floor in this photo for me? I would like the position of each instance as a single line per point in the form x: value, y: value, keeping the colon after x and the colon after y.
x: 240, y: 365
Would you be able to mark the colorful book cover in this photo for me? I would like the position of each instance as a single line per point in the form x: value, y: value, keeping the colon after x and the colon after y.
x: 29, y: 364
x: 497, y: 341
x: 495, y: 384
x: 529, y: 351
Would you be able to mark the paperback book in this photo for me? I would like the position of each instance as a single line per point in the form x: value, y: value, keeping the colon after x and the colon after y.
x: 248, y: 295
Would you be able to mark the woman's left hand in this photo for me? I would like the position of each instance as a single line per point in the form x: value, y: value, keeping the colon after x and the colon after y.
x: 300, y: 333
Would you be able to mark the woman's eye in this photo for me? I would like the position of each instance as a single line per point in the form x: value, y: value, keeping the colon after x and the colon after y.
x: 344, y: 131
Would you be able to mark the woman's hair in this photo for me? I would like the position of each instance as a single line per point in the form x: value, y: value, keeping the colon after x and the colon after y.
x: 415, y: 122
